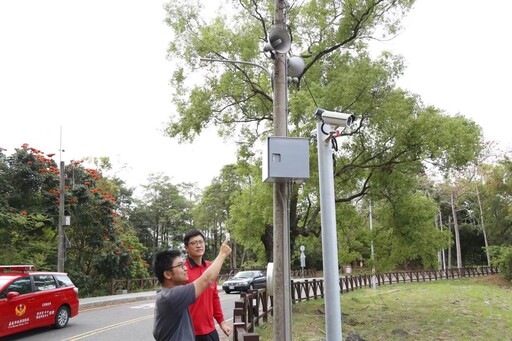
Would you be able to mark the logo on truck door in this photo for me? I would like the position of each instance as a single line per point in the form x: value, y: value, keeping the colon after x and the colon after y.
x: 20, y: 310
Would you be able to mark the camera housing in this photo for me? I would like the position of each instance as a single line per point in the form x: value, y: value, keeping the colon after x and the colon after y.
x: 335, y: 119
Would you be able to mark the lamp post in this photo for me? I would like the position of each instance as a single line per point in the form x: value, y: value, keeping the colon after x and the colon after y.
x: 61, y: 236
x: 371, y: 247
x: 60, y: 228
x: 328, y: 122
x: 329, y: 238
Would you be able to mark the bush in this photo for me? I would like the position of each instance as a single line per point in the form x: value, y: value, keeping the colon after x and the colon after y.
x: 506, y: 264
x: 502, y: 257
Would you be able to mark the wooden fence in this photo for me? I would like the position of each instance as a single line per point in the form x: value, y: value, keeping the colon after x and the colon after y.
x: 252, y: 307
x: 256, y: 304
x: 138, y: 284
x: 143, y: 284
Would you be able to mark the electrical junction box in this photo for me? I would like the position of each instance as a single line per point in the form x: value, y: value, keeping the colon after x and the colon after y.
x: 286, y: 159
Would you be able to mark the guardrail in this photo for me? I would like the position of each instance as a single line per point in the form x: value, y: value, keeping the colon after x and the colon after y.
x: 256, y: 304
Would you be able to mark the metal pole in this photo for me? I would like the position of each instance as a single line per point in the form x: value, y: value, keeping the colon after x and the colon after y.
x: 371, y: 247
x: 281, y: 239
x: 60, y: 245
x: 329, y: 237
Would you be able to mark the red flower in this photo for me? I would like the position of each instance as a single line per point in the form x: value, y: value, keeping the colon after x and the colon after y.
x: 50, y: 155
x: 23, y: 212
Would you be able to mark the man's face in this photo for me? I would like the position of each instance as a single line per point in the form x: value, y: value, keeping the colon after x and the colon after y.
x: 195, y: 247
x: 178, y: 271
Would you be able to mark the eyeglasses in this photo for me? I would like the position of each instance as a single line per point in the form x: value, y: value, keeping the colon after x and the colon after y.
x: 182, y: 265
x: 196, y: 242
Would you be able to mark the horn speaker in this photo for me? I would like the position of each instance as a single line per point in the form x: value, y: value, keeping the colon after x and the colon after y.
x: 278, y: 40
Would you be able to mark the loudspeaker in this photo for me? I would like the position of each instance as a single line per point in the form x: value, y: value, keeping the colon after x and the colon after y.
x: 295, y: 66
x: 278, y: 40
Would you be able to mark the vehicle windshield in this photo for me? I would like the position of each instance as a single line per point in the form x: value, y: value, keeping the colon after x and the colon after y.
x: 246, y: 274
x: 4, y: 280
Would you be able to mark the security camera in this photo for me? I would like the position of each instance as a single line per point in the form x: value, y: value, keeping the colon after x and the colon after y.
x: 335, y: 119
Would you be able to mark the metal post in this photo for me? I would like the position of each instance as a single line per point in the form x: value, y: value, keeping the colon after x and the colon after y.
x: 60, y: 245
x: 371, y: 247
x: 329, y: 237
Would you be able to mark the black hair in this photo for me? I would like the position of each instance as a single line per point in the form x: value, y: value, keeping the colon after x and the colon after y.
x: 163, y: 261
x: 192, y: 233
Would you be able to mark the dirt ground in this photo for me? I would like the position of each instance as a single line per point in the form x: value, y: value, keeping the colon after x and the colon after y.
x: 495, y: 280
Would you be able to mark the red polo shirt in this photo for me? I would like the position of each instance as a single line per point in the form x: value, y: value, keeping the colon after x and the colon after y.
x: 207, y: 305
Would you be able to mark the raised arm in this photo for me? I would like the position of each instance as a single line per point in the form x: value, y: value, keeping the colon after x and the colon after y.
x: 213, y: 270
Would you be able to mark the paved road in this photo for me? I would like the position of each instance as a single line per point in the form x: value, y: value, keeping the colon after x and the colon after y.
x: 118, y: 317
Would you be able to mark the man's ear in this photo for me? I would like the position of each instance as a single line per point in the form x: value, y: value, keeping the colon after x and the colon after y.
x: 168, y: 274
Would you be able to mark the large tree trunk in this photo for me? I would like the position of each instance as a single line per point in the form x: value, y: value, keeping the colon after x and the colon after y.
x: 440, y: 255
x: 483, y: 227
x: 268, y: 242
x: 450, y: 246
x: 456, y: 229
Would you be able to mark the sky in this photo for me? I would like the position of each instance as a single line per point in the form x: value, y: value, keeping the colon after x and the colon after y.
x: 92, y: 78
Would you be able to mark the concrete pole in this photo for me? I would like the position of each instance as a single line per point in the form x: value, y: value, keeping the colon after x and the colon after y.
x: 281, y: 239
x: 329, y: 236
x: 60, y: 245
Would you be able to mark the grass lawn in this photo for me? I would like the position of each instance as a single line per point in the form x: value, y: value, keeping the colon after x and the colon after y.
x: 477, y: 308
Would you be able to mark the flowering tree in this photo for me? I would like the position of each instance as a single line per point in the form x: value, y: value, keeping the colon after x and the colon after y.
x: 101, y: 244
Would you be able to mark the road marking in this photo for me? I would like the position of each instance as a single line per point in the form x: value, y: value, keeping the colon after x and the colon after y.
x: 144, y: 306
x: 107, y: 328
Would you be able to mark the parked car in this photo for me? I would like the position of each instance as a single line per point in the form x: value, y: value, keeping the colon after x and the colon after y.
x: 31, y: 299
x: 245, y: 280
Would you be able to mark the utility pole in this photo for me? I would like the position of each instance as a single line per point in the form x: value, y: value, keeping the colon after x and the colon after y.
x: 281, y: 248
x: 61, y: 236
x: 60, y: 229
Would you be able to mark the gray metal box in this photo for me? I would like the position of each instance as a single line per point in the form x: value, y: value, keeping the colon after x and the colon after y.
x: 285, y: 159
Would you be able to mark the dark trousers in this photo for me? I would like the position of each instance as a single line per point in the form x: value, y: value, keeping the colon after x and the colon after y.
x: 213, y: 336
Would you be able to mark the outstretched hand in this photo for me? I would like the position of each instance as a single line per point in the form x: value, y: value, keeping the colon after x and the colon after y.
x: 225, y: 250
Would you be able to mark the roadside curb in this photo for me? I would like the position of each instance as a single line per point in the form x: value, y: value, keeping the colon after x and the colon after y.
x: 102, y: 301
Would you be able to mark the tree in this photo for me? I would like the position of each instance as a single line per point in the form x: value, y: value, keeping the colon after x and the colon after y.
x: 394, y: 132
x: 28, y: 211
x: 213, y: 210
x: 29, y: 214
x: 163, y: 215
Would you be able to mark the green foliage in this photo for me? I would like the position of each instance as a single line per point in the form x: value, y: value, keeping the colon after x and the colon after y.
x: 409, y: 236
x: 251, y: 215
x: 502, y: 257
x: 29, y: 211
x: 394, y: 139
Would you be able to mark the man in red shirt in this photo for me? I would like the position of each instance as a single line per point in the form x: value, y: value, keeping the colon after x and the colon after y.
x: 207, y: 305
